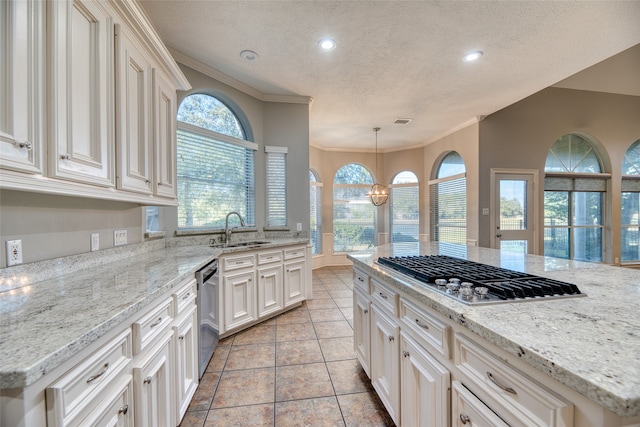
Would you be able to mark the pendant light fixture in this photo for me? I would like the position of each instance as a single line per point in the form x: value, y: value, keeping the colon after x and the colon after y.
x: 378, y: 193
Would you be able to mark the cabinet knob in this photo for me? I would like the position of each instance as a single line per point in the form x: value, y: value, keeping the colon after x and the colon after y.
x: 406, y: 354
x: 464, y: 418
x: 159, y: 184
x: 391, y: 338
x: 25, y: 144
x: 365, y: 311
x: 123, y: 410
x: 181, y: 337
x: 147, y: 380
x: 65, y: 157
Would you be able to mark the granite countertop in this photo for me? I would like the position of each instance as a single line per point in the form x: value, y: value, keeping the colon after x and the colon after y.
x: 51, y: 310
x: 590, y: 344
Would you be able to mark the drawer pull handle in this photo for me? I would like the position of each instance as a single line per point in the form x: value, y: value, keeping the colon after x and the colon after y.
x: 406, y: 354
x: 422, y: 325
x: 123, y: 410
x: 391, y: 338
x: 186, y: 296
x: 493, y: 380
x: 156, y: 323
x: 383, y: 295
x: 99, y: 374
x: 147, y: 380
x: 464, y: 418
x: 269, y: 257
x: 181, y: 337
x: 361, y: 279
x: 239, y: 262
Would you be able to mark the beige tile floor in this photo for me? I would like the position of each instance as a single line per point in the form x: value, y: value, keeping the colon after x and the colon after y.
x: 297, y: 369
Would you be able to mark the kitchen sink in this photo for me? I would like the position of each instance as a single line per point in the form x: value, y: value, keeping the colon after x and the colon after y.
x: 241, y: 244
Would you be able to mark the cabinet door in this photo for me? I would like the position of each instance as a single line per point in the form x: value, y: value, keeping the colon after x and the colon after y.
x: 361, y: 329
x: 269, y: 289
x: 239, y: 299
x: 133, y: 128
x: 164, y: 127
x: 22, y: 66
x: 153, y: 386
x: 186, y: 361
x: 115, y: 410
x: 424, y: 387
x: 385, y: 361
x: 294, y: 282
x: 468, y: 411
x: 82, y: 98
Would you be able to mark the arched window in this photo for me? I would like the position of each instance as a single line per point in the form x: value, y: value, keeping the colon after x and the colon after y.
x: 215, y: 165
x: 353, y: 213
x: 405, y: 208
x: 315, y: 193
x: 574, y: 200
x: 630, y: 204
x: 449, y: 201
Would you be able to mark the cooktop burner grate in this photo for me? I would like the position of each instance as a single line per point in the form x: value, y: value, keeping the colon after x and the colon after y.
x: 487, y: 284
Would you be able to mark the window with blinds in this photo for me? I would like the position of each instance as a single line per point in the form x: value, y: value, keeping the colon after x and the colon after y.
x: 405, y: 208
x: 315, y: 204
x: 276, y: 186
x: 449, y: 210
x: 215, y: 177
x: 630, y: 205
x: 574, y: 202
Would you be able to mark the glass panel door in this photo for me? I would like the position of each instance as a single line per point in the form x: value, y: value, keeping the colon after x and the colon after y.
x: 514, y: 213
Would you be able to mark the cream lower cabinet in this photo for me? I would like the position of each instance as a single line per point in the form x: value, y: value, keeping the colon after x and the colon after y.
x: 153, y: 385
x: 424, y: 386
x: 294, y: 281
x: 385, y: 361
x: 270, y: 289
x: 239, y: 298
x: 361, y: 329
x: 186, y: 360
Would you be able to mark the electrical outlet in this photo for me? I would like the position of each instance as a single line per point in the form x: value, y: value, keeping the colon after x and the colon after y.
x: 95, y: 241
x: 299, y: 226
x: 14, y: 252
x: 119, y: 237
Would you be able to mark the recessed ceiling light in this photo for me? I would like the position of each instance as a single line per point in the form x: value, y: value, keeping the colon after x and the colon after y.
x: 327, y: 44
x: 248, y: 55
x: 472, y: 56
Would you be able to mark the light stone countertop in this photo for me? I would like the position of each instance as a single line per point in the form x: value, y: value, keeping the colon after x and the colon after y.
x: 51, y: 310
x: 590, y: 344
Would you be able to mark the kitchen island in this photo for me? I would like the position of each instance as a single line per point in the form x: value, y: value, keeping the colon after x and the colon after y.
x: 577, y: 348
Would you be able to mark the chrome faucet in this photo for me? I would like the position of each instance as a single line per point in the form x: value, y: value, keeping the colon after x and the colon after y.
x: 228, y: 232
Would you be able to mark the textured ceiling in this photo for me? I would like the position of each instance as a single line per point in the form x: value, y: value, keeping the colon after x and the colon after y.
x: 397, y: 59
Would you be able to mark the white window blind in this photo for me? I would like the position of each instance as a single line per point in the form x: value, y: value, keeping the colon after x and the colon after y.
x: 449, y: 210
x: 276, y: 186
x: 315, y: 204
x: 405, y: 208
x: 215, y: 177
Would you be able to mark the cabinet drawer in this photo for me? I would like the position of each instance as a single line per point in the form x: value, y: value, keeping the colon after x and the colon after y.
x: 468, y: 410
x: 384, y: 297
x: 147, y: 329
x: 361, y: 281
x: 184, y: 297
x: 291, y: 253
x: 269, y: 257
x: 71, y: 394
x: 425, y: 328
x: 237, y: 262
x: 516, y: 398
x: 116, y: 407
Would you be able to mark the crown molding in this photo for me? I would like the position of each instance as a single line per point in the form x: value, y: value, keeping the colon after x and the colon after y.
x: 238, y: 85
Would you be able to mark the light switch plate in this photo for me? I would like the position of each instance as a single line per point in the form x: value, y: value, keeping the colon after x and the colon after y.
x: 299, y: 226
x: 119, y: 237
x: 485, y: 211
x: 95, y: 241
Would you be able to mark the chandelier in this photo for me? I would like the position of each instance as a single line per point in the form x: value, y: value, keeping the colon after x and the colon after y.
x: 378, y: 193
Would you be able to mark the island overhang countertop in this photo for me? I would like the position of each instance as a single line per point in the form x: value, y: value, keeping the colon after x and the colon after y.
x: 590, y: 344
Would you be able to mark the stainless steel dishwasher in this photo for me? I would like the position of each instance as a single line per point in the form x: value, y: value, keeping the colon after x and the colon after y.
x: 208, y: 313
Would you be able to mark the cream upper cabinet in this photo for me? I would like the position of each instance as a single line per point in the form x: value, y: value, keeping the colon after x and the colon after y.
x: 22, y: 61
x: 80, y: 35
x: 164, y: 135
x: 134, y: 114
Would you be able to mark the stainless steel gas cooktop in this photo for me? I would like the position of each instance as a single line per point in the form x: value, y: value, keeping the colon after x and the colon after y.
x: 474, y: 283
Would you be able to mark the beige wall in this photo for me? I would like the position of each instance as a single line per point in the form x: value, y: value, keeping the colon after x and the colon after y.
x: 519, y: 136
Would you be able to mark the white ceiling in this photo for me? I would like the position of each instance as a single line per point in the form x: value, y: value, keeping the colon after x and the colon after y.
x: 397, y: 59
